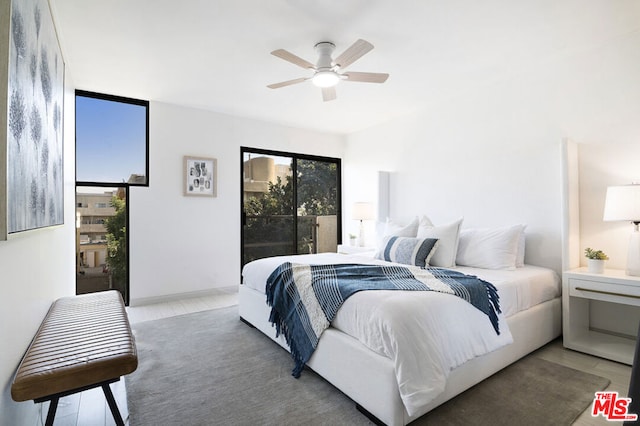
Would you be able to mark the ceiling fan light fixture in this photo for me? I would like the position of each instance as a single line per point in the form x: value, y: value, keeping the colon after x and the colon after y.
x: 325, y: 71
x: 325, y: 78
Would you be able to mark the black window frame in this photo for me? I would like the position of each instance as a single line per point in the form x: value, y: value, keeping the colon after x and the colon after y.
x: 294, y: 156
x: 125, y: 100
x: 125, y: 185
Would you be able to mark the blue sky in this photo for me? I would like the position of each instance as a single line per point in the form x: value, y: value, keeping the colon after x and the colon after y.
x: 110, y: 140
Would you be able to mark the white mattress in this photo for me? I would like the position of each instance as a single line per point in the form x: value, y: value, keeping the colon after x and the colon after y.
x: 519, y: 289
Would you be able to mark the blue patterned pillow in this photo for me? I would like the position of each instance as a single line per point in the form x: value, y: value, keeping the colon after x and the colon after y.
x: 409, y: 251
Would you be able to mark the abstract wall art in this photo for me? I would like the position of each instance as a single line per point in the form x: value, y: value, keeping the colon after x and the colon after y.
x: 34, y: 136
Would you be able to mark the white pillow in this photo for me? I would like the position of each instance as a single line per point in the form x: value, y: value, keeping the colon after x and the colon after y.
x: 495, y: 248
x: 396, y: 229
x: 521, y: 246
x: 393, y: 228
x: 447, y: 235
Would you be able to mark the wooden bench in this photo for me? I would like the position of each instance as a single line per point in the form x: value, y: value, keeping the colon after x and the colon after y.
x: 83, y: 342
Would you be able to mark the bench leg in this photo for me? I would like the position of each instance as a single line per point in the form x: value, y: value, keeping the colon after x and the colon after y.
x: 51, y: 414
x: 112, y: 404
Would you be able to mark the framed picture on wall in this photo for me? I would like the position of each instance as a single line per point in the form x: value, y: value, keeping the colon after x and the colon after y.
x: 200, y: 176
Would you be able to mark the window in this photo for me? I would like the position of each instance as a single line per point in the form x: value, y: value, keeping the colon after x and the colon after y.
x: 111, y: 155
x: 111, y: 139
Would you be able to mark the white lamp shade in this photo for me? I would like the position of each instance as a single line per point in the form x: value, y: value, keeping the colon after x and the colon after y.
x: 622, y: 203
x: 363, y: 211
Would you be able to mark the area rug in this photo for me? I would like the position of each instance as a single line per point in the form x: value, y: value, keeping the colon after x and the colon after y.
x: 209, y: 368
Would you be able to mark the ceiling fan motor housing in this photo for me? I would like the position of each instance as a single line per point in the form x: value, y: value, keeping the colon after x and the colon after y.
x: 324, y: 49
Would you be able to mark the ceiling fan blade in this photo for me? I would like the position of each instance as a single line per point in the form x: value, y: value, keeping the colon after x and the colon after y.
x: 366, y: 77
x: 328, y: 93
x: 286, y: 83
x: 290, y: 57
x: 353, y: 53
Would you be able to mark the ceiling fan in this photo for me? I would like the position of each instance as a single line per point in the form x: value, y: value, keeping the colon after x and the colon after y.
x: 327, y: 71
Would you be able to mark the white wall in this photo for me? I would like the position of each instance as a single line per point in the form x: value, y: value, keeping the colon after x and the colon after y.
x: 487, y: 158
x: 492, y: 153
x: 600, y: 166
x: 185, y: 244
x: 37, y: 268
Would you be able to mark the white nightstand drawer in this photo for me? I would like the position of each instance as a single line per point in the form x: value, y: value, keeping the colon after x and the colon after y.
x: 601, y: 313
x: 608, y: 292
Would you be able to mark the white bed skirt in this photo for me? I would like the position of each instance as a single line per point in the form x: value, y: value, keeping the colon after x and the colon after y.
x: 369, y: 378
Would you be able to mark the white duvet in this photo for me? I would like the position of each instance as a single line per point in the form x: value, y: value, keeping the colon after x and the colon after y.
x: 426, y: 334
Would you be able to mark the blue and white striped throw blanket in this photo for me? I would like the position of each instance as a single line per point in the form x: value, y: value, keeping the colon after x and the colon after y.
x: 305, y: 298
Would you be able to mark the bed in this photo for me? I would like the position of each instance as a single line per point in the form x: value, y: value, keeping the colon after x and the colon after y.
x: 369, y: 375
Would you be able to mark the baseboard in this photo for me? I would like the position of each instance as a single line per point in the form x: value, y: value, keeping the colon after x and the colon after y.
x: 140, y: 301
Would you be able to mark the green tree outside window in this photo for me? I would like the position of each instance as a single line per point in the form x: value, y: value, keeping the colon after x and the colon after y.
x: 117, y: 243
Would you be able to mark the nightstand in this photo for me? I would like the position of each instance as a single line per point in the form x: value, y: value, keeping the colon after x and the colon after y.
x: 594, y: 304
x: 344, y: 249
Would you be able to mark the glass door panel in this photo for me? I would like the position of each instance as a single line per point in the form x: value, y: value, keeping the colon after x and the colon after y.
x: 268, y: 216
x: 101, y: 240
x: 317, y: 205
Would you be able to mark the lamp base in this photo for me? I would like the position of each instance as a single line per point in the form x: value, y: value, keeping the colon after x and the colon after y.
x: 361, y: 237
x: 633, y: 258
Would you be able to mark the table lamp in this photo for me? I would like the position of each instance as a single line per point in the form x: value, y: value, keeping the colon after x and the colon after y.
x: 362, y: 211
x: 623, y: 203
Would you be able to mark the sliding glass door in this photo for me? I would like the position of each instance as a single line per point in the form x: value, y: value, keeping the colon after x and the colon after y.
x: 290, y: 204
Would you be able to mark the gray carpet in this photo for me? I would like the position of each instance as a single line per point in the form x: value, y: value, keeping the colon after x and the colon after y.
x: 208, y: 368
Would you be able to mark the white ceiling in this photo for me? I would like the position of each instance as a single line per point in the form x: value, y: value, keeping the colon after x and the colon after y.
x: 215, y: 54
